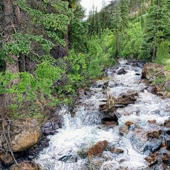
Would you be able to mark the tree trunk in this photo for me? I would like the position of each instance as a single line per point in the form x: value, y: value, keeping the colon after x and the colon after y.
x: 8, y: 30
x: 117, y: 45
x: 66, y: 41
x: 22, y: 63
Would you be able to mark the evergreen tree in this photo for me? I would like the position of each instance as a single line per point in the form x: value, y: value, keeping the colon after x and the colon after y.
x: 30, y: 30
x: 124, y: 13
x: 156, y: 29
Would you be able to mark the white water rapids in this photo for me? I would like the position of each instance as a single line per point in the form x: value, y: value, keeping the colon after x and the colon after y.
x: 69, y: 146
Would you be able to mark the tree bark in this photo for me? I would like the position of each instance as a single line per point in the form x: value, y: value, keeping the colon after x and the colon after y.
x: 66, y: 41
x: 8, y: 30
x: 22, y: 63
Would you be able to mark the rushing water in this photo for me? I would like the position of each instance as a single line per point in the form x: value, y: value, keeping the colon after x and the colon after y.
x: 69, y: 146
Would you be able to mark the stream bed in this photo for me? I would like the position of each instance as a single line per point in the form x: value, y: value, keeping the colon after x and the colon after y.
x: 139, y: 140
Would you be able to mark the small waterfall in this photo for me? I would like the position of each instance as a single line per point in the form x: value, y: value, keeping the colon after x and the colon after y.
x: 69, y: 146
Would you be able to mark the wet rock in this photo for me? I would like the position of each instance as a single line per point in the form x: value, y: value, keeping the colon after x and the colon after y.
x: 138, y: 64
x: 153, y: 145
x: 155, y: 133
x: 52, y: 125
x: 128, y: 123
x: 68, y: 158
x: 151, y: 122
x: 167, y: 123
x: 152, y: 158
x: 123, y: 130
x: 165, y: 157
x: 24, y: 134
x: 1, y: 166
x: 138, y: 74
x: 152, y: 70
x: 166, y: 160
x: 144, y: 134
x: 116, y: 150
x: 6, y: 158
x: 97, y: 148
x: 152, y: 89
x: 96, y: 163
x: 146, y: 82
x: 121, y: 71
x: 105, y: 85
x: 167, y: 142
x: 167, y: 132
x: 26, y: 165
x: 110, y: 121
x: 42, y: 143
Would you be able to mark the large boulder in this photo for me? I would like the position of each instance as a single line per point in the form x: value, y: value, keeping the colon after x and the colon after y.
x: 152, y: 70
x: 24, y: 133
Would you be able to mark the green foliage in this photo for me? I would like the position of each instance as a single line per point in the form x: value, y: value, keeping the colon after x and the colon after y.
x: 159, y: 80
x: 31, y: 89
x: 156, y: 30
x: 163, y: 52
x: 76, y: 67
x: 100, y: 53
x: 133, y: 40
x: 167, y: 65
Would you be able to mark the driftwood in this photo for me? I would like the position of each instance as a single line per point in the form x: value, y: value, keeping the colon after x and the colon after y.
x: 110, y: 102
x: 113, y: 103
x: 126, y: 99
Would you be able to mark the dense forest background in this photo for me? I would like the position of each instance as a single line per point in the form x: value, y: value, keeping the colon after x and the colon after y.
x: 48, y: 51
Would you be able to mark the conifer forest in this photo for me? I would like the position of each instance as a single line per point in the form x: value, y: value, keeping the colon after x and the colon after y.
x: 51, y: 53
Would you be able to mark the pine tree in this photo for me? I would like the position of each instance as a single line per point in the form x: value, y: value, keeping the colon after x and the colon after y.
x: 124, y: 13
x: 156, y: 29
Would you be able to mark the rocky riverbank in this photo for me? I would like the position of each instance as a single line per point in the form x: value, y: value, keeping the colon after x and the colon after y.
x: 122, y: 121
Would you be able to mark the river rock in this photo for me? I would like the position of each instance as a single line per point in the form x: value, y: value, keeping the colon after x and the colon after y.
x: 167, y: 142
x: 152, y: 158
x: 167, y: 123
x: 152, y: 122
x: 116, y: 150
x: 24, y: 134
x: 6, y: 158
x: 143, y: 134
x: 26, y: 165
x: 121, y: 71
x: 50, y: 127
x: 153, y: 145
x: 123, y: 130
x: 109, y: 121
x: 152, y: 70
x: 96, y: 163
x: 165, y: 157
x: 97, y: 148
x: 152, y: 89
x: 128, y: 123
x: 41, y: 144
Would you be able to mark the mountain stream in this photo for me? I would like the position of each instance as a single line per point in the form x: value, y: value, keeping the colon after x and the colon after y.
x: 139, y: 134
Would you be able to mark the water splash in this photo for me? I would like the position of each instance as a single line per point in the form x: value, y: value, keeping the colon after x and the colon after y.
x: 69, y: 146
